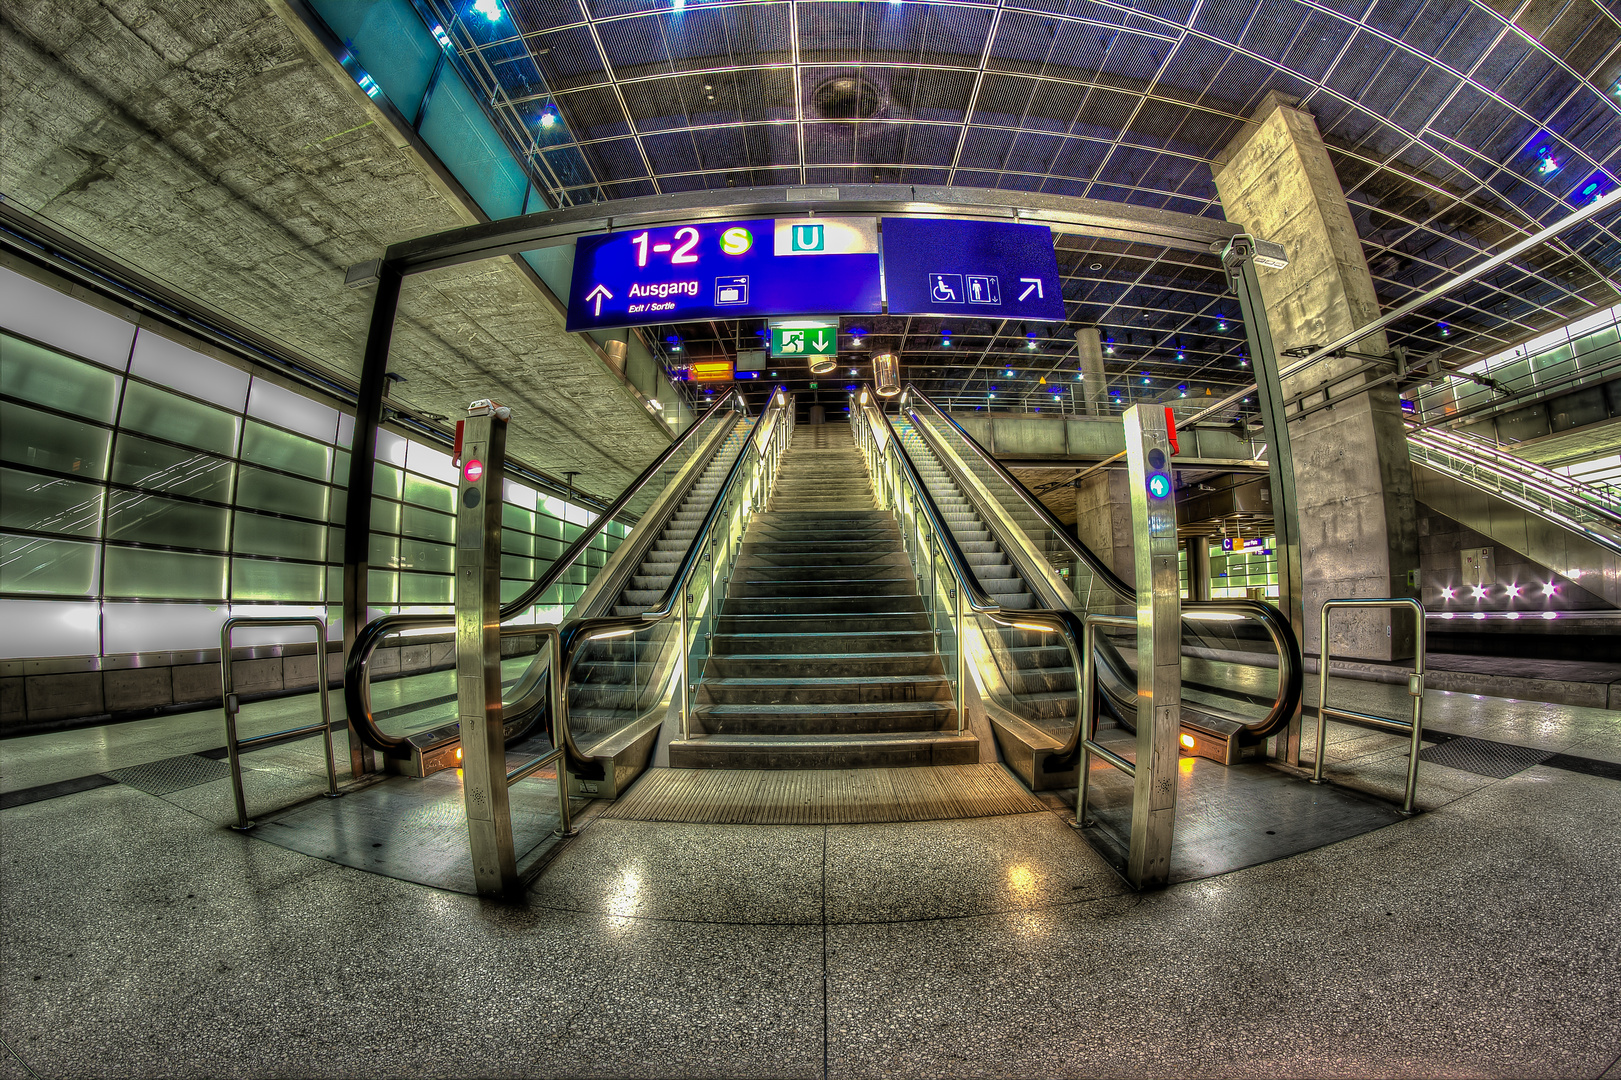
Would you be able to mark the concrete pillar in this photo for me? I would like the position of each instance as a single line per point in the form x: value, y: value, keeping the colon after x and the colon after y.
x: 1094, y: 381
x: 1103, y: 519
x: 1198, y: 568
x: 1354, y: 480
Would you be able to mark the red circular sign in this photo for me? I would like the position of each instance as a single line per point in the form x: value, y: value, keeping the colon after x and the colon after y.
x: 474, y: 471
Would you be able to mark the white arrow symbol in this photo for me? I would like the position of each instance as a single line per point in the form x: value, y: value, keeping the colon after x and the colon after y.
x: 1035, y: 283
x: 821, y: 341
x: 599, y: 294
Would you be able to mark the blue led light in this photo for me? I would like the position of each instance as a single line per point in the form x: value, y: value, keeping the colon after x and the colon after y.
x: 1159, y: 485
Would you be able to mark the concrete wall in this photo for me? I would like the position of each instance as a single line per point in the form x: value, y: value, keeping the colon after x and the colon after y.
x: 1103, y: 519
x: 1354, y: 482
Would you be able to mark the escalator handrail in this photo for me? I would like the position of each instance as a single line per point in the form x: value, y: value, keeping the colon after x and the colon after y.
x: 1116, y: 584
x: 1567, y: 498
x: 576, y: 633
x: 1291, y: 669
x: 356, y: 675
x: 1068, y: 624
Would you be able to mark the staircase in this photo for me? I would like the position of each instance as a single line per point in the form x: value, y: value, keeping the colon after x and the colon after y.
x: 822, y: 656
x: 610, y: 675
x: 1036, y: 668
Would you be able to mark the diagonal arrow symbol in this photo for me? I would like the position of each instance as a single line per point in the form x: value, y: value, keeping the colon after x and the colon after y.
x: 1035, y: 283
x: 599, y: 294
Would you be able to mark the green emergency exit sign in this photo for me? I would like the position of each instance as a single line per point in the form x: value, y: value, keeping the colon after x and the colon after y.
x: 804, y: 340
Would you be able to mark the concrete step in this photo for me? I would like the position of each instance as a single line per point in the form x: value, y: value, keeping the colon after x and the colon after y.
x: 907, y: 603
x: 833, y: 691
x: 821, y: 642
x: 901, y: 750
x: 818, y: 586
x: 848, y: 665
x: 900, y: 622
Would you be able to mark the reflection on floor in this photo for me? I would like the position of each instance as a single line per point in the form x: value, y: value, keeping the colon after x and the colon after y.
x: 416, y: 830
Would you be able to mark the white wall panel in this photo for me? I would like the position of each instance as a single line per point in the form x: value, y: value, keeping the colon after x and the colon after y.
x: 40, y: 628
x: 44, y: 314
x: 292, y: 410
x: 133, y: 628
x: 172, y: 364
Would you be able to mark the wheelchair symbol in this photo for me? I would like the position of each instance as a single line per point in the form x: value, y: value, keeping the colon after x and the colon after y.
x: 945, y: 288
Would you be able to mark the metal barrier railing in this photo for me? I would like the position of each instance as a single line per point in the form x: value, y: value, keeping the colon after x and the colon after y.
x: 1088, y: 719
x: 565, y: 824
x: 232, y: 705
x: 1415, y: 687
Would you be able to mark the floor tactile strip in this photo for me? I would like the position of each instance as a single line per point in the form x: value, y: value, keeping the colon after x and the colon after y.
x: 823, y: 796
x: 172, y: 774
x: 1483, y: 757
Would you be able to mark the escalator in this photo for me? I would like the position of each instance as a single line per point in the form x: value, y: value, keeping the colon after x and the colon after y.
x: 1571, y: 528
x: 413, y: 727
x: 1240, y: 659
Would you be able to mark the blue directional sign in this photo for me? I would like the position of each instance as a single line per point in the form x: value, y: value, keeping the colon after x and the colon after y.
x: 725, y: 270
x: 976, y: 269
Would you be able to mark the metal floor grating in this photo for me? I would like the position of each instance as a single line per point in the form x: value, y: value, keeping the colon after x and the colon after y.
x: 172, y: 774
x: 823, y: 796
x: 1483, y: 757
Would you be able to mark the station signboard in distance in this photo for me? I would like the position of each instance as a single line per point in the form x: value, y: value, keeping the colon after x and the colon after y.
x: 1252, y: 546
x: 710, y: 371
x: 725, y: 270
x: 973, y: 269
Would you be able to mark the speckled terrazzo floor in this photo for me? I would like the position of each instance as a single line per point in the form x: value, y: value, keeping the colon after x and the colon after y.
x: 138, y: 937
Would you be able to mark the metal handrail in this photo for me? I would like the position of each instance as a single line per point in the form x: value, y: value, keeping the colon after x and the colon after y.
x: 1415, y: 687
x: 1291, y: 669
x: 1565, y: 501
x: 357, y: 682
x: 232, y: 705
x: 576, y: 633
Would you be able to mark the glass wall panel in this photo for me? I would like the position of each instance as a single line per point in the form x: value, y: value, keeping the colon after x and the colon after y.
x: 516, y: 517
x: 32, y: 565
x: 265, y: 445
x: 47, y: 504
x: 150, y: 519
x: 427, y: 525
x: 279, y: 494
x: 384, y: 553
x: 421, y: 555
x: 517, y: 568
x: 386, y: 481
x: 385, y: 516
x: 517, y: 543
x: 382, y: 587
x: 30, y: 437
x: 170, y: 416
x: 257, y: 579
x: 46, y: 377
x: 142, y: 463
x: 425, y: 492
x: 164, y: 575
x: 281, y: 537
x: 426, y: 589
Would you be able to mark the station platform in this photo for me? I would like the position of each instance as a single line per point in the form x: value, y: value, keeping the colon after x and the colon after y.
x: 1480, y: 937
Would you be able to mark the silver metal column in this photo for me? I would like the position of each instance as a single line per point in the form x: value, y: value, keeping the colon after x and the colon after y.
x: 1238, y: 257
x: 1159, y: 645
x: 478, y: 650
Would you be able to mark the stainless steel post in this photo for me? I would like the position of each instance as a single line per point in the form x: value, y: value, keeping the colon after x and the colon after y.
x: 1238, y: 259
x: 1159, y: 645
x: 478, y: 650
